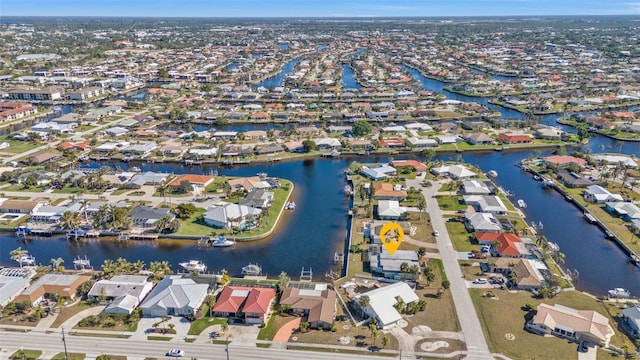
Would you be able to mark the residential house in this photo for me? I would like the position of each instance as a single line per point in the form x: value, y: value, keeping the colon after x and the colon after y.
x: 328, y: 144
x: 479, y: 139
x: 52, y: 214
x: 229, y: 215
x: 43, y: 158
x: 388, y: 191
x: 176, y: 296
x: 481, y: 222
x: 599, y: 195
x: 318, y: 304
x: 390, y: 265
x: 565, y: 160
x: 52, y: 284
x: 248, y: 183
x: 628, y: 211
x: 271, y: 148
x: 122, y: 292
x: 294, y: 146
x: 503, y: 244
x: 258, y: 198
x: 631, y: 321
x: 486, y: 203
x: 116, y: 131
x: 12, y: 283
x: 416, y: 165
x: 378, y: 173
x: 146, y: 216
x: 373, y: 231
x: 390, y: 210
x: 478, y: 187
x: 255, y: 135
x: 140, y: 149
x: 197, y: 182
x: 421, y: 142
x: 515, y: 138
x: 454, y: 171
x: 229, y: 135
x: 526, y: 272
x: 71, y: 146
x: 572, y: 179
x: 10, y: 206
x: 572, y: 324
x: 147, y: 178
x: 382, y: 300
x: 250, y: 304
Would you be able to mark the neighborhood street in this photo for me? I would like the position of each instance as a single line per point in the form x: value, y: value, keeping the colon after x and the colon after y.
x: 474, y: 337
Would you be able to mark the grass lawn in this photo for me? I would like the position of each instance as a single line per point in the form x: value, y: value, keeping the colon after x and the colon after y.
x: 504, y: 315
x: 26, y: 354
x: 460, y: 237
x: 440, y: 314
x: 450, y: 203
x: 68, y: 312
x: 159, y: 338
x: 17, y: 146
x: 360, y: 336
x: 198, y: 326
x: 273, y: 325
x: 72, y: 356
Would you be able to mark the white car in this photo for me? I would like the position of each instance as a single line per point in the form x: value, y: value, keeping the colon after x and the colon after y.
x: 436, y: 233
x: 480, y: 281
x: 175, y: 353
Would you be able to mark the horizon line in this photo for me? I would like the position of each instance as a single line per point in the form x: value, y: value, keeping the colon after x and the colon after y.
x: 323, y: 17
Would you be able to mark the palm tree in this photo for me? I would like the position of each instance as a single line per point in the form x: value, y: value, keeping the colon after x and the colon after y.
x: 364, y: 301
x: 55, y: 264
x: 70, y: 219
x: 210, y: 301
x: 17, y: 255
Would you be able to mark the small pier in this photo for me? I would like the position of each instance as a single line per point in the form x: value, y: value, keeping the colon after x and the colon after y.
x: 306, y: 275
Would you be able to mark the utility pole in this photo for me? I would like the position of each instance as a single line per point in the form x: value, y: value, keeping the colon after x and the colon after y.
x: 64, y: 341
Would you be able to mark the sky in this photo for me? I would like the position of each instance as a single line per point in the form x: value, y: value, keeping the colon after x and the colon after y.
x: 315, y: 8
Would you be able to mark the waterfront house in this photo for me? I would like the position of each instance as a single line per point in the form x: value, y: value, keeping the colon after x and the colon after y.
x: 391, y: 142
x: 421, y: 142
x: 486, y: 203
x: 388, y: 191
x: 229, y: 135
x: 250, y: 304
x: 479, y: 139
x: 416, y: 165
x: 572, y: 179
x: 111, y: 147
x: 13, y: 281
x: 390, y: 266
x: 147, y: 178
x: 14, y: 110
x: 318, y: 304
x: 599, y: 195
x: 503, y: 244
x: 571, y: 324
x: 481, y: 222
x: 10, y: 206
x: 258, y: 198
x: 176, y: 296
x: 454, y: 171
x: 378, y: 173
x: 140, y: 149
x: 390, y: 210
x: 328, y: 144
x: 255, y: 135
x: 146, y: 216
x: 203, y: 153
x: 631, y: 321
x: 233, y: 150
x: 626, y: 161
x: 373, y: 231
x: 123, y: 293
x: 199, y: 182
x: 565, y: 160
x: 628, y: 211
x: 526, y: 272
x: 447, y: 139
x: 52, y: 214
x: 248, y: 183
x: 52, y: 284
x: 229, y: 215
x: 478, y: 187
x: 43, y: 158
x: 509, y: 138
x: 382, y: 300
x: 271, y: 148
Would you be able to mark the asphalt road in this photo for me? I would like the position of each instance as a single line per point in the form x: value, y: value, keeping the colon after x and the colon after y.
x: 467, y: 316
x: 93, y: 346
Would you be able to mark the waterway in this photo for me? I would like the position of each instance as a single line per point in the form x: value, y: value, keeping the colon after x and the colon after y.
x: 315, y: 231
x: 278, y: 79
x: 348, y: 78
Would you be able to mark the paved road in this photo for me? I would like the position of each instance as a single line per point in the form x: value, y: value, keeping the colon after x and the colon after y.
x: 474, y: 337
x: 93, y: 346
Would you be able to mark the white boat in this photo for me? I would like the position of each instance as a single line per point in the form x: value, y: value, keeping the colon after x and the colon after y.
x: 290, y: 205
x: 347, y: 190
x: 554, y: 247
x: 222, y: 242
x: 251, y: 269
x: 76, y: 233
x: 619, y: 293
x: 590, y: 218
x: 194, y: 265
x: 493, y: 173
x: 262, y: 175
x: 522, y: 204
x: 28, y: 260
x: 547, y: 183
x: 79, y: 262
x: 135, y: 169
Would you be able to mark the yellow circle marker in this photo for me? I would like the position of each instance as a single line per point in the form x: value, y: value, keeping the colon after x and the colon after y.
x: 391, y: 235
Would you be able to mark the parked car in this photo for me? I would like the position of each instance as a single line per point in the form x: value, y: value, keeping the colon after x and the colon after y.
x: 175, y: 353
x: 436, y: 233
x: 584, y: 346
x: 480, y: 281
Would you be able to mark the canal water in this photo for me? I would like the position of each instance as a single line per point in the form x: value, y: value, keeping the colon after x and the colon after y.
x: 278, y: 79
x: 310, y: 235
x: 348, y: 78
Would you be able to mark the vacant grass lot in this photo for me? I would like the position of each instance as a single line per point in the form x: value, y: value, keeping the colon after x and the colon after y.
x: 460, y: 237
x: 504, y: 315
x: 451, y: 203
x: 198, y: 326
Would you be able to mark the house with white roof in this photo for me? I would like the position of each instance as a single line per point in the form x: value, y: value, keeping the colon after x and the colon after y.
x: 389, y: 265
x: 174, y: 296
x: 626, y: 210
x: 12, y: 283
x: 599, y: 195
x: 390, y: 210
x: 378, y: 173
x: 483, y: 222
x: 229, y: 215
x: 486, y: 203
x: 421, y: 142
x: 453, y: 171
x: 382, y: 301
x: 616, y: 159
x: 123, y: 293
x: 477, y: 187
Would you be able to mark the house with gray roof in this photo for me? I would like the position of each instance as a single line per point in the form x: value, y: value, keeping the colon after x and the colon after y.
x: 388, y: 265
x: 122, y: 292
x: 10, y: 287
x: 258, y: 198
x: 626, y: 210
x: 483, y: 222
x: 486, y: 203
x: 174, y: 295
x: 53, y: 214
x: 146, y: 216
x: 271, y: 148
x: 599, y: 195
x: 147, y: 178
x: 116, y: 131
x: 140, y: 149
x: 478, y: 187
x: 631, y: 321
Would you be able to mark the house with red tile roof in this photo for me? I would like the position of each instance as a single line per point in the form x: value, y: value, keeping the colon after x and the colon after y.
x: 416, y: 165
x: 387, y: 191
x: 250, y: 304
x: 565, y: 160
x: 67, y: 145
x: 198, y: 180
x: 515, y: 138
x: 503, y: 244
x: 391, y: 142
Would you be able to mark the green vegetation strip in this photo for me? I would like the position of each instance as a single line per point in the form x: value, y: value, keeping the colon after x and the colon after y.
x: 198, y: 326
x: 159, y: 338
x: 71, y: 356
x: 440, y: 265
x: 102, y: 335
x: 26, y: 354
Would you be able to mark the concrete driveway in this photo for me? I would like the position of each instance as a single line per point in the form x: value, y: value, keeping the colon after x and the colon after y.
x: 590, y: 354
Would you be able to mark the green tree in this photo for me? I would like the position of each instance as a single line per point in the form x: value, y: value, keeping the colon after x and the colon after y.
x: 56, y: 264
x: 429, y: 275
x: 283, y: 281
x: 373, y: 328
x: 185, y: 210
x: 361, y: 128
x: 70, y: 220
x: 364, y: 301
x: 184, y: 187
x: 17, y: 254
x: 309, y: 145
x: 210, y: 300
x: 385, y: 341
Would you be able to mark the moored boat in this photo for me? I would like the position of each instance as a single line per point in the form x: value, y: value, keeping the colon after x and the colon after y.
x: 76, y: 233
x: 522, y: 204
x: 619, y: 293
x: 221, y: 241
x: 194, y: 265
x: 252, y: 270
x: 590, y: 218
x: 27, y: 260
x: 290, y: 205
x: 492, y: 173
